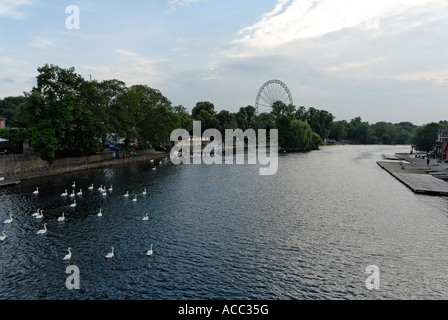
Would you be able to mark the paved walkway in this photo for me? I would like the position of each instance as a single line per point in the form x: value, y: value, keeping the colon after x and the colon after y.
x: 417, y: 175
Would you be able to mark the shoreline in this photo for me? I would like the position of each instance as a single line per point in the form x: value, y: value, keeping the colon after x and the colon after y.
x: 16, y: 168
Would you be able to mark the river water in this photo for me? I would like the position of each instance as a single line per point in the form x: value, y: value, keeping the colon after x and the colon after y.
x: 225, y: 232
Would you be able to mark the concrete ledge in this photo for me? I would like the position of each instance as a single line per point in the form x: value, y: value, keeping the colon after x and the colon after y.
x: 20, y: 167
x: 415, y: 179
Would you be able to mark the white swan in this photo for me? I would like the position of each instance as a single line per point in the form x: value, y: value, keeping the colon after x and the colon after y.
x: 146, y: 218
x: 35, y: 214
x: 126, y: 194
x: 100, y: 214
x: 69, y: 255
x: 80, y: 192
x: 100, y: 188
x: 152, y: 161
x: 104, y: 193
x: 40, y: 215
x: 91, y: 187
x: 44, y: 230
x: 154, y: 169
x: 111, y: 188
x: 74, y: 185
x: 135, y: 199
x: 64, y: 194
x: 144, y: 192
x: 73, y: 194
x: 8, y: 221
x: 110, y: 254
x: 149, y: 253
x: 73, y: 204
x: 62, y: 218
x: 3, y: 237
x: 37, y: 191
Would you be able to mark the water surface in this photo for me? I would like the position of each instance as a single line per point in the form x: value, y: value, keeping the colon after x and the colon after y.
x: 225, y: 232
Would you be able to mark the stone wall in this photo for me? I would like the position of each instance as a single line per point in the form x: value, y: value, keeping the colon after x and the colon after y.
x: 26, y: 166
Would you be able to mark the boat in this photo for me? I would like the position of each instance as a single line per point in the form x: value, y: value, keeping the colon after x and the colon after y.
x: 331, y: 143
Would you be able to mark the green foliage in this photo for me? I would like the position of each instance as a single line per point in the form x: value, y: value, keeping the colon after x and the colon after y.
x: 264, y: 121
x: 425, y: 136
x: 10, y: 107
x: 320, y: 121
x: 205, y: 112
x: 203, y: 105
x: 15, y: 139
x: 66, y: 114
x: 306, y: 138
x: 403, y: 137
x: 245, y: 117
x: 339, y: 130
x: 227, y: 120
x: 386, y: 139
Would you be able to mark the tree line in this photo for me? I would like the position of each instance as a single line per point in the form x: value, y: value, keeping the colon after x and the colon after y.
x: 64, y: 114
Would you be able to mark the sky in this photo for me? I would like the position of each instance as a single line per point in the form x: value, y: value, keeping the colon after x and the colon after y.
x: 382, y: 60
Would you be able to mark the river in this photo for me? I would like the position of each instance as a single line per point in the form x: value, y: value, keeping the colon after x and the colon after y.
x: 225, y: 232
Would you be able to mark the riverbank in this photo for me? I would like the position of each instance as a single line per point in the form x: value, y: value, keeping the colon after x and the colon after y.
x: 17, y: 167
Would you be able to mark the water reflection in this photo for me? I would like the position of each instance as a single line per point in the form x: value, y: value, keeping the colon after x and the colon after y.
x: 224, y: 232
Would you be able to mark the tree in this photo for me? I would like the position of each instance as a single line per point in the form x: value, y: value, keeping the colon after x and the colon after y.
x: 264, y: 121
x: 15, y: 137
x: 386, y: 139
x: 10, y: 106
x: 365, y: 134
x: 241, y: 120
x: 208, y: 121
x: 203, y: 105
x: 403, y: 137
x: 425, y: 136
x: 300, y: 113
x: 281, y: 109
x: 339, y: 130
x: 248, y: 114
x: 305, y: 138
x: 382, y: 128
x: 186, y: 121
x: 286, y: 135
x: 155, y: 119
x: 109, y: 100
x: 227, y: 120
x: 51, y: 108
x: 320, y: 121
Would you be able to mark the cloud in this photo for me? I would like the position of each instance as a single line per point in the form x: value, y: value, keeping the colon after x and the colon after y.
x: 355, y: 64
x: 127, y: 53
x: 189, y: 44
x: 306, y: 19
x: 6, y: 79
x: 10, y: 8
x: 40, y: 42
x: 132, y: 68
x: 10, y: 61
x: 176, y: 4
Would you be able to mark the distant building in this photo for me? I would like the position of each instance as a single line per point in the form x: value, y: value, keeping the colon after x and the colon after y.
x: 441, y: 145
x: 3, y: 122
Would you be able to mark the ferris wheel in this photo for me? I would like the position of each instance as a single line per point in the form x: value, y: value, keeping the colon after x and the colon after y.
x: 271, y: 92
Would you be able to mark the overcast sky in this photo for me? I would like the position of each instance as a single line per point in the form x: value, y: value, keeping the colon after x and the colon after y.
x: 383, y: 60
